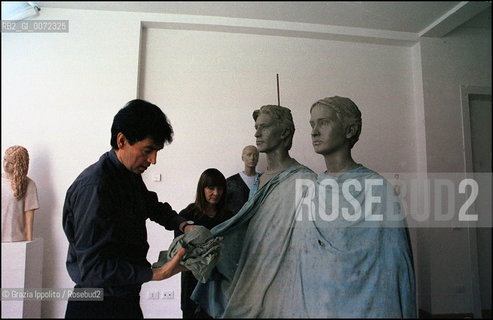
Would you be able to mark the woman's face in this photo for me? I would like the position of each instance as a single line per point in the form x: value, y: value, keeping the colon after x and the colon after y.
x: 213, y: 194
x: 8, y: 164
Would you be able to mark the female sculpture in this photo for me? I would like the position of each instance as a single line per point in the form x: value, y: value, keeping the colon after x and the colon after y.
x: 19, y: 196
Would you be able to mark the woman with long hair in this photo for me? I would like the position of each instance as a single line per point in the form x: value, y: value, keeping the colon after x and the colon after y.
x: 208, y: 210
x: 19, y: 196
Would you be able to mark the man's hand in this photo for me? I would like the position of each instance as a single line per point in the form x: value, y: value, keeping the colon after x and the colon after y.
x: 170, y: 268
x: 189, y: 228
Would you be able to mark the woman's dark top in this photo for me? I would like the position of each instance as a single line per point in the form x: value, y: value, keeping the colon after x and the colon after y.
x: 188, y: 281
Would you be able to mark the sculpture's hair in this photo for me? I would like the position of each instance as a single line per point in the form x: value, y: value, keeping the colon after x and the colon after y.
x: 282, y: 115
x: 347, y: 112
x: 20, y: 158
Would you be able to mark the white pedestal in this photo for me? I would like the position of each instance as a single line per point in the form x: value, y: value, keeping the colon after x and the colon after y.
x: 22, y: 267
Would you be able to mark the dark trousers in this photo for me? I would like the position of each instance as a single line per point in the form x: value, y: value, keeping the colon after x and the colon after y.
x: 110, y: 307
x: 195, y: 313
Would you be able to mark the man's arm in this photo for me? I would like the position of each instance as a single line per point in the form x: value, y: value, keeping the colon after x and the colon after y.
x: 170, y: 268
x: 163, y: 214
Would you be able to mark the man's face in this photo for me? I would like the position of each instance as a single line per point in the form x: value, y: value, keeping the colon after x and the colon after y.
x: 139, y: 156
x: 328, y: 134
x: 250, y: 157
x: 268, y: 133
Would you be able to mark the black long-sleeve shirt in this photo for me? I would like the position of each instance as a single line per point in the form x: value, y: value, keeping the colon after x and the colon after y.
x: 237, y: 194
x: 104, y: 218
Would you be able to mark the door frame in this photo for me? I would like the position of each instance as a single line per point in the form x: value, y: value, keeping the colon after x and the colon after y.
x: 466, y: 92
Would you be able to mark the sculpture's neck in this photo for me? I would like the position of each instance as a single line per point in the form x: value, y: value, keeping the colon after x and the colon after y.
x: 6, y: 175
x: 278, y: 162
x: 337, y: 164
x: 250, y: 171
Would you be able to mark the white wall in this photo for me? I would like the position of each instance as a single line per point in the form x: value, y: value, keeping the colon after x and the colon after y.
x: 61, y: 91
x: 209, y: 83
x: 463, y: 57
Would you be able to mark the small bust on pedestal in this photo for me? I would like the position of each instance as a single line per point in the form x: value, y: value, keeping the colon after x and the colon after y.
x: 19, y: 196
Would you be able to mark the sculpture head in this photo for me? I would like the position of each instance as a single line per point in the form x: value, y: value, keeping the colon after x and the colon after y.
x: 250, y: 156
x: 140, y: 129
x: 16, y: 165
x: 273, y: 125
x: 332, y: 119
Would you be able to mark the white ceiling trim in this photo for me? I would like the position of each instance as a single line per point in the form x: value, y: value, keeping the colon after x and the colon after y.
x: 279, y: 28
x: 459, y: 14
x: 454, y: 18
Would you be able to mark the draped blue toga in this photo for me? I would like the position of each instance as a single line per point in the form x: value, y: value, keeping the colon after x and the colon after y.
x: 288, y: 255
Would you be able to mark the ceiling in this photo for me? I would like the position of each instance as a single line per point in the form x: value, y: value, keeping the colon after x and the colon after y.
x: 400, y: 16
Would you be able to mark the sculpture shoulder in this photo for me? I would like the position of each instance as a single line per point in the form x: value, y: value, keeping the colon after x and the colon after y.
x: 31, y: 185
x: 305, y: 172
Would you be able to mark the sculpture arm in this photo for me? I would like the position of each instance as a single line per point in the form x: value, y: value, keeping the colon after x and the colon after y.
x: 28, y: 224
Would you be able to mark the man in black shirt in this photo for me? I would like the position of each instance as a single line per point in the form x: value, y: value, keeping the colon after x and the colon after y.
x: 105, y: 213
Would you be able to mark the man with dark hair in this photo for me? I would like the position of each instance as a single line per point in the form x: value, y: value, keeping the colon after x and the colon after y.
x: 105, y: 213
